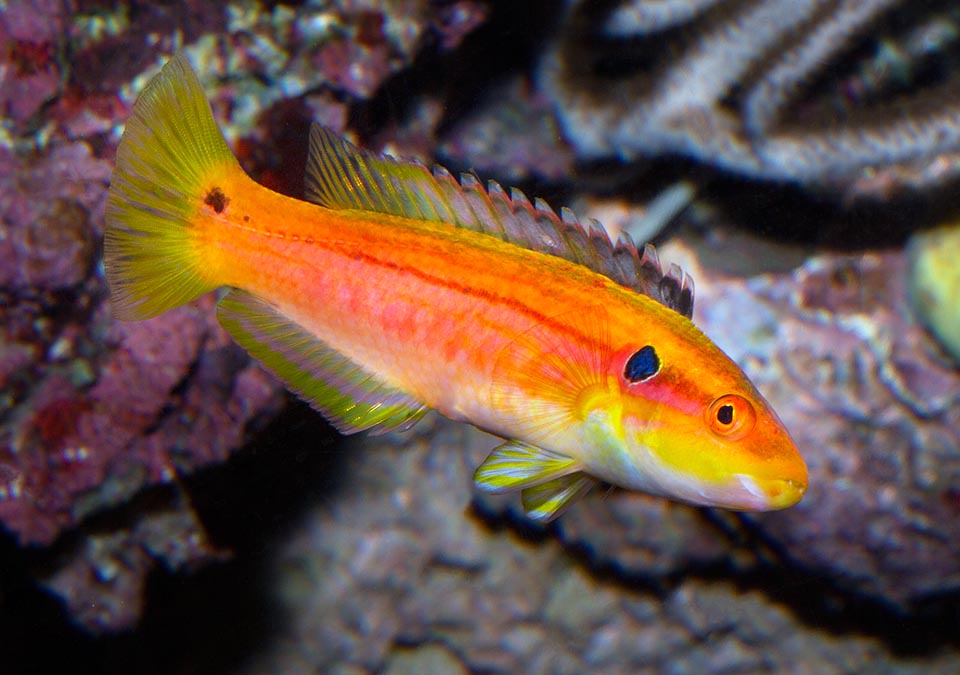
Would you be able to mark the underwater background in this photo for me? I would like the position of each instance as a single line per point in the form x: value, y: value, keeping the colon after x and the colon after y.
x: 166, y: 507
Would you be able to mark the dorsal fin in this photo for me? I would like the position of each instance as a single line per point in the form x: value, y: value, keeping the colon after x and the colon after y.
x: 341, y: 176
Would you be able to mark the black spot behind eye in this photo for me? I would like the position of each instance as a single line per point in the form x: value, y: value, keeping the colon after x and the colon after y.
x: 643, y: 365
x: 725, y: 414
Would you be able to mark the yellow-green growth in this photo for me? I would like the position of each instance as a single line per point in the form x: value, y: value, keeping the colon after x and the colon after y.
x: 934, y: 283
x: 170, y: 149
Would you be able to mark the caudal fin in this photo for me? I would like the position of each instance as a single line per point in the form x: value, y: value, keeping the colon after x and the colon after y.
x: 170, y: 155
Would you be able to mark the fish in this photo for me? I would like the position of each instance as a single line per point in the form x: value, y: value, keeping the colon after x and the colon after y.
x: 392, y: 289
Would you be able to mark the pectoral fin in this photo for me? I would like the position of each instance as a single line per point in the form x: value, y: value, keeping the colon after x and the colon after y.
x: 546, y: 501
x: 517, y: 465
x: 543, y: 379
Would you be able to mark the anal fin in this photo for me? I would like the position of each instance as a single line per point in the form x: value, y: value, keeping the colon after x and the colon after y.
x: 349, y: 396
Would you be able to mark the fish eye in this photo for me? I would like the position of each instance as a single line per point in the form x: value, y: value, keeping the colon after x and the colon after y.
x: 731, y: 416
x: 643, y: 365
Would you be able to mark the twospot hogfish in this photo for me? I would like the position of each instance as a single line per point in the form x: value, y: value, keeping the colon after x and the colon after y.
x: 394, y: 289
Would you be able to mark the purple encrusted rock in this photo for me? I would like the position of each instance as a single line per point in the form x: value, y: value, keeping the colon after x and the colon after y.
x: 94, y: 410
x: 162, y: 403
x: 30, y: 71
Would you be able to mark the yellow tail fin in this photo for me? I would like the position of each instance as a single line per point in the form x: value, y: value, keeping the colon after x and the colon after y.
x: 169, y: 156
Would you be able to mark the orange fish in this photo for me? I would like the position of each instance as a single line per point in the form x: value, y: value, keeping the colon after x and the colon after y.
x: 394, y: 289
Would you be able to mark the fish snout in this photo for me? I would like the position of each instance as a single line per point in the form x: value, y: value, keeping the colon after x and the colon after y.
x: 773, y: 493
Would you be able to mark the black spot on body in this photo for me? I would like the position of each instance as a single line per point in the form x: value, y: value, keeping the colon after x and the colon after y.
x: 643, y: 365
x: 216, y: 200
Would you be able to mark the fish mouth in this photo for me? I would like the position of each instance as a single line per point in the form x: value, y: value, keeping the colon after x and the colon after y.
x: 771, y: 494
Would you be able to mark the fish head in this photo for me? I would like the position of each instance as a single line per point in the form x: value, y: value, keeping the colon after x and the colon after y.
x: 694, y: 428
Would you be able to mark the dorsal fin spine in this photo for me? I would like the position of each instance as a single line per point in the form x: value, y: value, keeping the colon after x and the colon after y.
x: 474, y: 200
x: 495, y: 190
x: 520, y: 199
x: 542, y: 207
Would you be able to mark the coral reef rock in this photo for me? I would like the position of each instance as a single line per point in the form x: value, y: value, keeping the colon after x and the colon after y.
x: 873, y: 404
x: 399, y: 572
x: 92, y: 411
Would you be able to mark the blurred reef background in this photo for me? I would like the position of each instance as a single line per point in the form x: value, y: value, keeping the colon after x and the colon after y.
x: 165, y: 507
